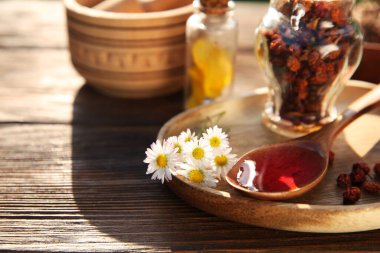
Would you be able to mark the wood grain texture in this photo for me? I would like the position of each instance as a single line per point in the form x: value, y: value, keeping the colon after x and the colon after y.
x: 68, y: 190
x: 72, y: 177
x: 30, y: 24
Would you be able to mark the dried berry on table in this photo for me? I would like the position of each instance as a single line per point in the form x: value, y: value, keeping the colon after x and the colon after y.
x: 351, y: 195
x: 361, y: 166
x: 343, y: 180
x: 371, y: 187
x: 357, y: 177
x: 359, y: 173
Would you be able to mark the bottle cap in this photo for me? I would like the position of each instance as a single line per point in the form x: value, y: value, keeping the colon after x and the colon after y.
x: 215, y: 7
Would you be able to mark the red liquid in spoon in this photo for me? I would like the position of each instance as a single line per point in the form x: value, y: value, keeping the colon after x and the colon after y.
x: 286, y: 168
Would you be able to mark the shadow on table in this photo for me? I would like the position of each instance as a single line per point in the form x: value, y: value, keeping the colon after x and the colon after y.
x: 115, y: 195
x: 111, y: 190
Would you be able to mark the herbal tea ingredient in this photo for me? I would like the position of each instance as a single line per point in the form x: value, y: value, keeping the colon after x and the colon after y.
x: 273, y: 175
x: 201, y: 160
x: 161, y: 157
x: 211, y: 47
x: 364, y: 167
x: 371, y: 187
x: 359, y: 173
x: 197, y: 173
x: 356, y: 179
x: 343, y: 180
x: 197, y: 151
x: 211, y: 73
x: 351, y: 195
x: 307, y: 56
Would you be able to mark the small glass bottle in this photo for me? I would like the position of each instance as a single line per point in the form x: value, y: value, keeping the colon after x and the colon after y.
x: 211, y: 48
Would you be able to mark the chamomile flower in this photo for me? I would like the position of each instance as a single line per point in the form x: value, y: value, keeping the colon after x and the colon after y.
x: 186, y: 136
x: 216, y: 138
x: 174, y: 140
x: 161, y: 159
x: 198, y: 151
x: 223, y: 161
x: 198, y: 174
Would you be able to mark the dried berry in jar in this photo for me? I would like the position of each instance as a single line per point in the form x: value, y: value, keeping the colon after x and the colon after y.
x: 307, y: 57
x: 351, y: 195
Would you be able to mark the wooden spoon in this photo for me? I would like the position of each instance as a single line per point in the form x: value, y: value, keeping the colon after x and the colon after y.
x: 289, y: 169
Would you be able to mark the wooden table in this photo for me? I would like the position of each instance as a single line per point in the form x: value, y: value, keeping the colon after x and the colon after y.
x: 72, y: 177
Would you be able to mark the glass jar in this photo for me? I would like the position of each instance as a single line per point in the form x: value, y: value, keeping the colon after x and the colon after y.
x: 307, y: 50
x: 211, y: 48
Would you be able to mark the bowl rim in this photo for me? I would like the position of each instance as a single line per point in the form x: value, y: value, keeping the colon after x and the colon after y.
x: 76, y: 7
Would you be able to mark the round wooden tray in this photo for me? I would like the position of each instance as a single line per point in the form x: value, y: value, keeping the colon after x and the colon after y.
x: 320, y: 210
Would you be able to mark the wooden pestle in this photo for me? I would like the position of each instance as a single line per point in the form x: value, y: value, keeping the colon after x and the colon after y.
x: 120, y: 6
x: 138, y: 5
x: 89, y: 3
x: 161, y: 5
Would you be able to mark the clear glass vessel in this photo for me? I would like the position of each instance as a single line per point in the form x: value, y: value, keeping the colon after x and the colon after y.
x: 211, y: 48
x: 307, y: 50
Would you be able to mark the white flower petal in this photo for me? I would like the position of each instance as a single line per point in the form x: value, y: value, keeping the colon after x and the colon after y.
x: 209, y: 179
x: 218, y: 134
x: 161, y: 149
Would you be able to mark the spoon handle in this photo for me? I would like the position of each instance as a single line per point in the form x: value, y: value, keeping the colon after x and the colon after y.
x: 365, y: 103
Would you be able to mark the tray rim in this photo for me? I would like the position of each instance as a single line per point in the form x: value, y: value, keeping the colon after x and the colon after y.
x: 287, y: 205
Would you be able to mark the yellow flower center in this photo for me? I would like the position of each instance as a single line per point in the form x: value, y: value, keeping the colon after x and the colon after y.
x: 162, y: 161
x: 198, y: 153
x: 196, y: 176
x: 179, y: 150
x: 187, y: 139
x: 214, y: 142
x: 221, y: 160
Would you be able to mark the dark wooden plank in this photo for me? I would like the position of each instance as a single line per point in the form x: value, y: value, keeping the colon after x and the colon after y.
x: 60, y: 185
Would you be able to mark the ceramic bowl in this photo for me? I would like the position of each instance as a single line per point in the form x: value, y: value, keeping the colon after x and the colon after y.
x: 133, y: 55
